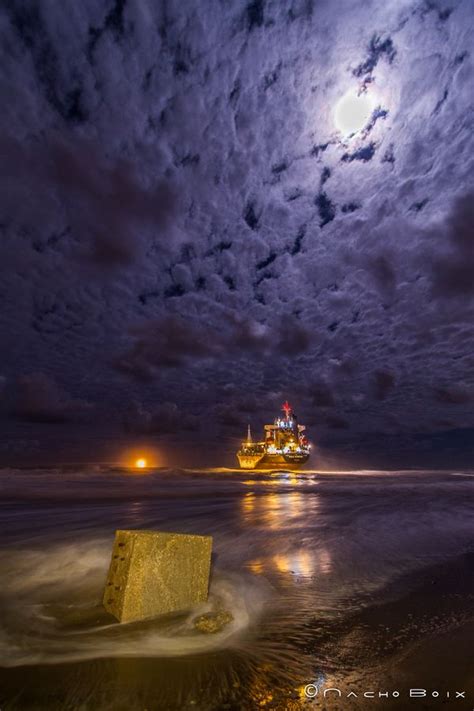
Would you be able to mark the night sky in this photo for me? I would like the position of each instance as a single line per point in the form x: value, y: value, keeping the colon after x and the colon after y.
x: 188, y: 240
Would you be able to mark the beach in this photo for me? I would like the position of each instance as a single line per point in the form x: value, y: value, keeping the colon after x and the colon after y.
x: 359, y: 582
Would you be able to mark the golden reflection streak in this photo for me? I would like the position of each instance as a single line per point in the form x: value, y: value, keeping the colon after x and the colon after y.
x: 257, y: 566
x: 300, y: 562
x: 276, y: 511
x: 278, y: 480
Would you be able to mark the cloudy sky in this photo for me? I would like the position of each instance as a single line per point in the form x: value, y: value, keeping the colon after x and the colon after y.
x: 188, y: 239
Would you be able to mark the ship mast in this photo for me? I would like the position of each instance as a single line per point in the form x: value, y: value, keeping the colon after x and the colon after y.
x: 249, y: 435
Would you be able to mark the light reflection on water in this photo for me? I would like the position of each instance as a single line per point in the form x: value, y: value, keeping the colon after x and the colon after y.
x: 288, y: 511
x: 297, y: 557
x: 278, y: 510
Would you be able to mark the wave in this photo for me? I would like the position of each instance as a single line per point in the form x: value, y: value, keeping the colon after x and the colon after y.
x: 51, y: 611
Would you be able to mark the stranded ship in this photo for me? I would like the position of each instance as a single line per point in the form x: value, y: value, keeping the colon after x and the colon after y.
x: 285, y: 445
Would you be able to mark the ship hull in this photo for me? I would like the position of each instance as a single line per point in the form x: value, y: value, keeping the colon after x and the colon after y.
x: 271, y: 461
x: 249, y: 461
x: 295, y: 459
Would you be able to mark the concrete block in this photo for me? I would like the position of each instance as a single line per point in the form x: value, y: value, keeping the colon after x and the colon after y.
x: 152, y: 573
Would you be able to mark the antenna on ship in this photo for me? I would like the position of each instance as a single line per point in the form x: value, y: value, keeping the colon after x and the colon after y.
x: 249, y: 435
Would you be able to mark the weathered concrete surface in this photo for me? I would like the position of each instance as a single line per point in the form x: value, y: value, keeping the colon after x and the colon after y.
x: 153, y: 573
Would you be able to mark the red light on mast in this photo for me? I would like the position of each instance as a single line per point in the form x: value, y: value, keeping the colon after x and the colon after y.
x: 286, y: 409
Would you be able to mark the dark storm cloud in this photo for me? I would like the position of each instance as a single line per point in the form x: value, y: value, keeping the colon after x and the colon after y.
x: 163, y: 419
x: 29, y: 25
x: 168, y: 343
x: 336, y: 423
x: 243, y: 250
x: 454, y: 395
x: 384, y: 382
x: 38, y: 398
x: 322, y: 394
x: 113, y: 202
x: 227, y: 416
x: 294, y: 338
x: 381, y: 267
x: 453, y: 267
x: 101, y: 200
x: 250, y: 337
x: 236, y: 410
x: 288, y: 337
x: 175, y: 341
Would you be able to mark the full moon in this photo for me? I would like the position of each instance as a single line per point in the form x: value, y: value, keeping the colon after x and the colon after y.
x: 352, y: 112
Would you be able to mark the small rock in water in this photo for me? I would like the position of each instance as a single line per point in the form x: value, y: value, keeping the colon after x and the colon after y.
x: 212, y: 622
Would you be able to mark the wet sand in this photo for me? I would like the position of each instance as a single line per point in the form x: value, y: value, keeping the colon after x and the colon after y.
x: 361, y: 582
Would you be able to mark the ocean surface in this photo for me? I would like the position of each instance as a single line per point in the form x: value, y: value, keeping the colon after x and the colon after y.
x: 359, y: 582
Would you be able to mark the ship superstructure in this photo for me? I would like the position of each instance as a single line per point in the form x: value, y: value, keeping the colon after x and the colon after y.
x: 285, y: 445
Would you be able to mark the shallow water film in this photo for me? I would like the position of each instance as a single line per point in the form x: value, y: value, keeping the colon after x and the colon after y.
x: 344, y: 591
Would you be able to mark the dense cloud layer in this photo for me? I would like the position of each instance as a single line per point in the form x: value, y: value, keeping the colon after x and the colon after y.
x: 187, y: 238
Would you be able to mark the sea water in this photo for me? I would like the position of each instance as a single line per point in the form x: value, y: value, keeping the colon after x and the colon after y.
x: 357, y: 581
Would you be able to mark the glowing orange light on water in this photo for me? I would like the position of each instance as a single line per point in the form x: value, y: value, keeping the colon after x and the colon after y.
x: 141, y: 463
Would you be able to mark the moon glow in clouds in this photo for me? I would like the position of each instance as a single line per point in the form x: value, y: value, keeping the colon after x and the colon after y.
x: 353, y: 111
x: 211, y: 207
